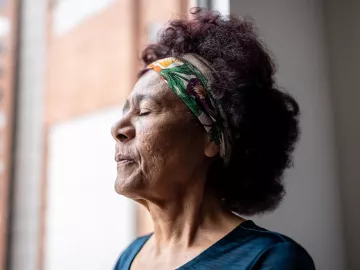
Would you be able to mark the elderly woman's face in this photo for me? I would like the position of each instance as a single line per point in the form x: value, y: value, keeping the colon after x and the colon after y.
x: 159, y: 145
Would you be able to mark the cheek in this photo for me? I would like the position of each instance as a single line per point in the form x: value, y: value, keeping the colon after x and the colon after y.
x: 155, y: 142
x: 152, y: 149
x: 165, y: 145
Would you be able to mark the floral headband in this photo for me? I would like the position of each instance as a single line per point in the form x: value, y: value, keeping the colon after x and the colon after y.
x: 192, y: 87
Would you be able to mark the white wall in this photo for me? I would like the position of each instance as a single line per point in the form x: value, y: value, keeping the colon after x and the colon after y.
x: 70, y: 13
x: 310, y: 213
x: 87, y: 223
x: 343, y: 21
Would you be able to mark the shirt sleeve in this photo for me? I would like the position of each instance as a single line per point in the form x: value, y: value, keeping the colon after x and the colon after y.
x: 285, y: 256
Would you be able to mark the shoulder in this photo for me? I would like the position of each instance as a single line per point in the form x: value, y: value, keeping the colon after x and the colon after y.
x: 277, y: 251
x: 130, y: 252
x: 285, y: 255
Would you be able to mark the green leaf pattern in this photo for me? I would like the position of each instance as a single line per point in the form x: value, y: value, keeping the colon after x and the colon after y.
x: 177, y: 75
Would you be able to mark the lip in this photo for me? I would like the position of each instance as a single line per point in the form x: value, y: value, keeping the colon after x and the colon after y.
x: 122, y: 160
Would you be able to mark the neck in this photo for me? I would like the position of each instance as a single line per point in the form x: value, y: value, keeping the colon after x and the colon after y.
x: 179, y: 222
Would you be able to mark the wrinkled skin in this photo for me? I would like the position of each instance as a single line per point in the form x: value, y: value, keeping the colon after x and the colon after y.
x: 166, y: 144
x: 163, y: 155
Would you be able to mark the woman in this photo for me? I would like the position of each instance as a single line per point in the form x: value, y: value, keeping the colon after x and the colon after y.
x: 205, y: 137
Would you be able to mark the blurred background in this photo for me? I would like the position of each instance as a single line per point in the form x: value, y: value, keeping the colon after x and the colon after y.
x: 66, y: 66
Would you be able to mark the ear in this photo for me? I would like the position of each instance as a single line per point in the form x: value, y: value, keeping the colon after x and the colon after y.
x: 211, y: 148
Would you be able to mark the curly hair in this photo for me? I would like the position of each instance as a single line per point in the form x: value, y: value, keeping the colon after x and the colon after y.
x: 263, y: 120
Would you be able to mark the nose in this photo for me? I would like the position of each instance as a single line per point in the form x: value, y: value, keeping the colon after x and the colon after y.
x: 123, y: 130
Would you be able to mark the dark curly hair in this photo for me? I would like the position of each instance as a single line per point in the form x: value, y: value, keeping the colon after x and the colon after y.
x: 263, y: 120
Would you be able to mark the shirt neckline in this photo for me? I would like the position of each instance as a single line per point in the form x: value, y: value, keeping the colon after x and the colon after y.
x: 207, y: 252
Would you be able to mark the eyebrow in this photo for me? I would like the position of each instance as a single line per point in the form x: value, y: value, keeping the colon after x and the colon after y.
x: 138, y: 99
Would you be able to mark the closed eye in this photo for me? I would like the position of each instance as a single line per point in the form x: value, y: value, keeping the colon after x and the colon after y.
x: 144, y: 112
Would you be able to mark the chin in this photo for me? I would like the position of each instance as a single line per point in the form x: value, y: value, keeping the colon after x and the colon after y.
x: 127, y: 187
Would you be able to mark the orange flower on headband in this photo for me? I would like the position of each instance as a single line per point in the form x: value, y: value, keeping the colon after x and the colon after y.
x: 155, y: 67
x: 167, y: 62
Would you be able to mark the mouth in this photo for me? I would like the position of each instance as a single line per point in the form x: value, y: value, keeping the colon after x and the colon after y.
x: 122, y: 160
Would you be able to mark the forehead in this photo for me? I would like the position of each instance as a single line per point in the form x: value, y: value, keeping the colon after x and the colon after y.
x: 150, y: 84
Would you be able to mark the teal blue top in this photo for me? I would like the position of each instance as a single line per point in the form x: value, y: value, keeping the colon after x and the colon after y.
x: 246, y: 247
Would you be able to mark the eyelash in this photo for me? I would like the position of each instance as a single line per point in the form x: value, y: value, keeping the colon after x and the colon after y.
x: 143, y: 113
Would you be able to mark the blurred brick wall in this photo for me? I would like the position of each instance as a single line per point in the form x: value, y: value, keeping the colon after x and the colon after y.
x: 94, y: 65
x: 91, y: 66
